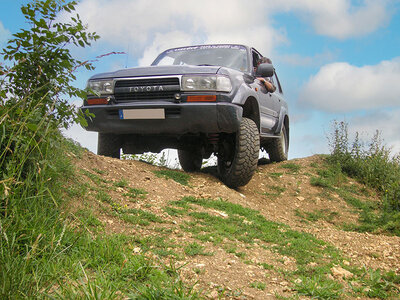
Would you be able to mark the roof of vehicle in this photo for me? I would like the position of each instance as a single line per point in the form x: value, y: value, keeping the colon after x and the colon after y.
x: 205, y: 46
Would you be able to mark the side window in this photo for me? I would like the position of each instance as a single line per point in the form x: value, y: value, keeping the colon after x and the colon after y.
x: 256, y: 58
x: 277, y: 83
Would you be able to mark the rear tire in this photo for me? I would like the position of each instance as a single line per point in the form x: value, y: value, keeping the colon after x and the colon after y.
x: 190, y: 161
x: 237, y: 160
x: 278, y: 148
x: 109, y: 145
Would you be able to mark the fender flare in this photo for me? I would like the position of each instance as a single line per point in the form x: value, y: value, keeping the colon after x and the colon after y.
x: 283, y: 113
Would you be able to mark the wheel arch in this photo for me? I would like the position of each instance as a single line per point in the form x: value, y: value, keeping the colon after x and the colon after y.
x: 286, y: 123
x: 283, y: 120
x: 252, y: 111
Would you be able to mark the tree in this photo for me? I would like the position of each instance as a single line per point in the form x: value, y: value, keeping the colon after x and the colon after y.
x: 42, y: 67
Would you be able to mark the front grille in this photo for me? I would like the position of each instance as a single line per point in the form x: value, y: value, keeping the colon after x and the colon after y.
x: 146, y: 89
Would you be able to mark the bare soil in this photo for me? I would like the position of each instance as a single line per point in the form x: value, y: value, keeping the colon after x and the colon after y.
x: 278, y: 193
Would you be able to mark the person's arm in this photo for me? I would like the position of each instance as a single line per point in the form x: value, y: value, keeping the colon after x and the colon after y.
x: 268, y: 84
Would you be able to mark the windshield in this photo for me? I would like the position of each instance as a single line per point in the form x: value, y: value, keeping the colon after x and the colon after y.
x: 231, y: 56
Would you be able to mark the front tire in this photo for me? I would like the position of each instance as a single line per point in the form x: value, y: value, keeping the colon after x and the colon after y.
x: 278, y: 149
x: 109, y: 144
x: 238, y: 155
x: 190, y: 161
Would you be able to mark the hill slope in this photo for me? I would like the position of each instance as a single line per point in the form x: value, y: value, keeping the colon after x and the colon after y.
x: 279, y: 235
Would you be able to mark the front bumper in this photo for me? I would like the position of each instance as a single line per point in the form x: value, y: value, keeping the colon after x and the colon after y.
x: 180, y: 118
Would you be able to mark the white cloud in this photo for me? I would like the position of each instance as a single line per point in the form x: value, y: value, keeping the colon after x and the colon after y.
x: 5, y: 34
x: 152, y: 24
x: 341, y: 87
x: 339, y: 18
x: 162, y: 42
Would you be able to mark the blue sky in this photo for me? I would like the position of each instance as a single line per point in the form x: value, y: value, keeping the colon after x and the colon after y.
x: 336, y: 59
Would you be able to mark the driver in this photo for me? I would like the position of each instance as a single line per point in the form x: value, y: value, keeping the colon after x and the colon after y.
x: 267, y: 80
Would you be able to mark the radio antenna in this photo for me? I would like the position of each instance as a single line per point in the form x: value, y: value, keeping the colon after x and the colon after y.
x: 127, y: 57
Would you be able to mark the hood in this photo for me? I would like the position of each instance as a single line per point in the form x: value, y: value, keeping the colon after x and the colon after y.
x: 158, y: 71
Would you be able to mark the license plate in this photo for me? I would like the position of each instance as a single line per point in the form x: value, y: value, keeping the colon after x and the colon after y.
x: 142, y: 114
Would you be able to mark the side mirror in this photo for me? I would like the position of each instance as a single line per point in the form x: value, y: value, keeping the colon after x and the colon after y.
x: 265, y: 70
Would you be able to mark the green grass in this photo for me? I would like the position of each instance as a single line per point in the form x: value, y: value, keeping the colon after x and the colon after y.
x: 194, y: 249
x: 139, y: 216
x: 177, y: 176
x: 275, y: 174
x: 319, y: 287
x: 276, y: 191
x: 372, y: 215
x: 45, y: 255
x: 314, y: 216
x: 135, y: 194
x: 96, y: 178
x: 45, y: 251
x: 121, y: 183
x: 88, y: 219
x: 258, y: 285
x: 98, y: 171
x: 292, y: 167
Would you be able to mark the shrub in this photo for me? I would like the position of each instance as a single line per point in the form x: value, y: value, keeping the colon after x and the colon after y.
x: 33, y: 87
x: 372, y: 164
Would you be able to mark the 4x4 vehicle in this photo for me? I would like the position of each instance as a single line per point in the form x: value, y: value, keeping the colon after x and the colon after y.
x: 200, y: 100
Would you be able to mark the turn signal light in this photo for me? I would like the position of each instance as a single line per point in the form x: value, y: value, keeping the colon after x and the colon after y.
x: 202, y: 98
x: 97, y: 101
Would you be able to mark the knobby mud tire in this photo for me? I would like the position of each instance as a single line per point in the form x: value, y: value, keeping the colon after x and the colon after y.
x: 241, y: 168
x: 278, y: 148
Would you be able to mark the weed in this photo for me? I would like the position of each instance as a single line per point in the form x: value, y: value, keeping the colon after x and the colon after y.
x: 121, y: 183
x: 320, y: 182
x: 276, y: 191
x: 134, y: 194
x: 104, y: 197
x: 375, y: 283
x: 172, y: 211
x: 323, y: 214
x: 267, y: 266
x: 98, y: 180
x: 177, y: 176
x: 98, y: 171
x: 372, y: 165
x: 292, y: 167
x: 258, y: 285
x: 194, y: 248
x: 88, y: 218
x: 319, y: 287
x: 240, y: 254
x: 276, y: 174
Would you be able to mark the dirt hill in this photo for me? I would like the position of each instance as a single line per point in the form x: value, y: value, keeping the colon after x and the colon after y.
x: 280, y: 235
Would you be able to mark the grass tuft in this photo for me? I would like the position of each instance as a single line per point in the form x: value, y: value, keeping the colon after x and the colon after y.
x: 177, y: 176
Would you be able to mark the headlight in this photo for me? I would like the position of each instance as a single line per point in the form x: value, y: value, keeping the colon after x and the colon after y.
x: 101, y: 86
x: 206, y: 83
